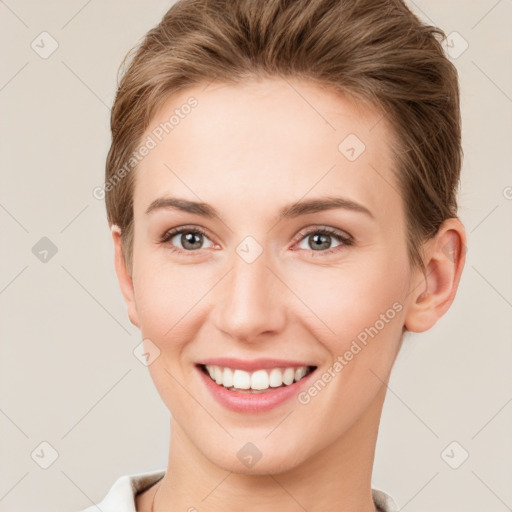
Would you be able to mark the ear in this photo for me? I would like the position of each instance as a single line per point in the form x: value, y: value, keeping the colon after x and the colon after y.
x: 124, y: 278
x: 435, y: 289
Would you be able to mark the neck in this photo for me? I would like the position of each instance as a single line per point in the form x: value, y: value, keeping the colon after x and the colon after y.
x: 335, y: 478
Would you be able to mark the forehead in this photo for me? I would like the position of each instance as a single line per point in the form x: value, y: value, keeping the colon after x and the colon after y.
x: 252, y: 143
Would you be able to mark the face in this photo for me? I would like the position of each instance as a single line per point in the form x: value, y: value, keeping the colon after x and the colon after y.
x: 325, y: 284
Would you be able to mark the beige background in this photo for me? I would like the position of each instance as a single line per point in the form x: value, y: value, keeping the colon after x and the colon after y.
x: 68, y: 374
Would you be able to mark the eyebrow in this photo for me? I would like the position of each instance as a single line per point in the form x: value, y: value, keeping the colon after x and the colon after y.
x: 292, y: 210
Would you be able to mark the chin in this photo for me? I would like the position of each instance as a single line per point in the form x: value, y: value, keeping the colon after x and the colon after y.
x: 256, y: 459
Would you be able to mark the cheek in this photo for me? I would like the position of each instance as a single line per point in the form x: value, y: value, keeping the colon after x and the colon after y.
x: 168, y: 305
x: 358, y: 318
x: 343, y: 301
x: 168, y: 296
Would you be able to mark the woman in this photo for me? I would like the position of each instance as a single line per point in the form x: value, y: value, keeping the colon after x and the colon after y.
x: 281, y: 188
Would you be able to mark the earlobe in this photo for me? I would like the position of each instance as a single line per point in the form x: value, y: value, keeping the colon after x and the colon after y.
x: 434, y: 291
x: 123, y: 276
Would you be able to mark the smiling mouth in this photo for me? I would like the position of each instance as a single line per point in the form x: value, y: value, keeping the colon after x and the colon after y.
x: 259, y: 381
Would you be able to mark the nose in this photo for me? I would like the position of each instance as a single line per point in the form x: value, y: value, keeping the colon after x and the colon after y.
x: 250, y: 301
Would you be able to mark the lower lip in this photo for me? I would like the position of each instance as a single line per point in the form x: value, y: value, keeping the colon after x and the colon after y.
x: 252, y: 402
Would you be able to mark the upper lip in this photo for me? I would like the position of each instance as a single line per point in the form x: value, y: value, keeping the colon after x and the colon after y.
x: 252, y: 364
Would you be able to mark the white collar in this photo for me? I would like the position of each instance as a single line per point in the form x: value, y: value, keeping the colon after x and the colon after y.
x: 121, y: 496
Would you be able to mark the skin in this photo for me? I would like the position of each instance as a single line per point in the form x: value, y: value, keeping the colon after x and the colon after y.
x: 248, y: 150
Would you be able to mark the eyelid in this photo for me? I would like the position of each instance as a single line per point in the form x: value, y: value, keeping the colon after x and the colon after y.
x: 178, y: 229
x: 324, y: 229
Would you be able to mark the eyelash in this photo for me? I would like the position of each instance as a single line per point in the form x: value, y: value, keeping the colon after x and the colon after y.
x: 345, y: 239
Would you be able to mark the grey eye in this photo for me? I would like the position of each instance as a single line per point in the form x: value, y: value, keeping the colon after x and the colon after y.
x: 318, y: 241
x: 189, y: 240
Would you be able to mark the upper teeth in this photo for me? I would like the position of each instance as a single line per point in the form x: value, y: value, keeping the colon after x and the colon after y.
x: 260, y: 379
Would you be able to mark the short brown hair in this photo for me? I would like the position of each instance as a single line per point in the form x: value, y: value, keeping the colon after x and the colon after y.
x: 377, y: 51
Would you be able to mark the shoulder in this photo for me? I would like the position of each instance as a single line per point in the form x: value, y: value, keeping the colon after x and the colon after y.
x: 384, y: 502
x: 121, y: 496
